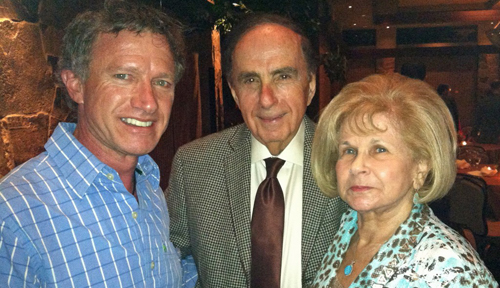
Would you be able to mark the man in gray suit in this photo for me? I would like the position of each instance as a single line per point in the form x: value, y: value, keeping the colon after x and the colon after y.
x: 271, y: 71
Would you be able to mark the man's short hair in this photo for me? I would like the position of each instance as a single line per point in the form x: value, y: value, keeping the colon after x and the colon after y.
x: 116, y: 16
x: 252, y: 20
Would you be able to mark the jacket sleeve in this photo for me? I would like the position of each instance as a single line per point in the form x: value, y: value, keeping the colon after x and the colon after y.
x: 179, y: 232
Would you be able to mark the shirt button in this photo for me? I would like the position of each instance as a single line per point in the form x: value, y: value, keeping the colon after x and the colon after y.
x: 134, y: 215
x: 152, y: 265
x: 110, y: 176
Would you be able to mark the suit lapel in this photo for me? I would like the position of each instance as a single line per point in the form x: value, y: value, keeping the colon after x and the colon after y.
x: 238, y: 185
x: 314, y: 203
x: 237, y: 169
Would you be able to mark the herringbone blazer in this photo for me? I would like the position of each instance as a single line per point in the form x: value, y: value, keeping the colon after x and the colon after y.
x: 209, y: 204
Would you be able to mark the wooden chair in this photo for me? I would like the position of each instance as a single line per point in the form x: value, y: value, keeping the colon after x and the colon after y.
x: 463, y: 209
x: 464, y: 205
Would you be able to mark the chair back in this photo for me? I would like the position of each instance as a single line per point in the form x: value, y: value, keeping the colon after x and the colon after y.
x: 464, y: 205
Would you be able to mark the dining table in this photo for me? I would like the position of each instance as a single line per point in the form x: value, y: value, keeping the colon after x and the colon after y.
x: 493, y: 189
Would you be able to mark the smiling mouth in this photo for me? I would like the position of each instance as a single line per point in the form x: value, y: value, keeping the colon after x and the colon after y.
x: 136, y: 122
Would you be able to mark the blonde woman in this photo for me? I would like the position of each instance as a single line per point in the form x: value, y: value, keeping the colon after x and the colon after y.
x: 386, y: 145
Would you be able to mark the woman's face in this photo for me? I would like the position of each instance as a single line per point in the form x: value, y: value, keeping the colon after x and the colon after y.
x: 375, y: 172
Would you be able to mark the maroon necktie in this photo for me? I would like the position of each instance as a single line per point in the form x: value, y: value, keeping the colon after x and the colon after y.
x: 267, y: 228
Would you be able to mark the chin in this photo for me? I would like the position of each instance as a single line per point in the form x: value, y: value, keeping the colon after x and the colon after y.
x: 139, y: 150
x: 361, y: 206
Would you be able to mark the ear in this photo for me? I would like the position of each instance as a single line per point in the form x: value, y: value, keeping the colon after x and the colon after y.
x: 312, y: 88
x: 421, y: 172
x: 74, y: 85
x: 233, y: 93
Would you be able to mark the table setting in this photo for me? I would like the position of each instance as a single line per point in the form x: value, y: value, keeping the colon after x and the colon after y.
x: 488, y: 172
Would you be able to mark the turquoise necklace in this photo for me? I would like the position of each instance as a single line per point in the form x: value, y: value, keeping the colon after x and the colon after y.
x: 348, y: 268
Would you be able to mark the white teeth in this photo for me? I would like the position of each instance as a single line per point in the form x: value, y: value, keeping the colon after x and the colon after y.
x: 136, y: 122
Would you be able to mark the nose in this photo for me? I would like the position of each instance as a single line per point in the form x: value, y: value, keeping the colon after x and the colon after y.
x: 145, y: 98
x: 359, y: 164
x: 267, y: 96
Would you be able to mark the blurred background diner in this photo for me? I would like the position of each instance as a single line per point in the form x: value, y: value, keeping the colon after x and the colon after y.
x: 453, y: 42
x: 444, y: 91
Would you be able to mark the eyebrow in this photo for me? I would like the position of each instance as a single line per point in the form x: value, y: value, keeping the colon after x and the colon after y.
x: 372, y: 141
x: 285, y: 70
x: 245, y: 75
x: 132, y: 69
x: 165, y: 75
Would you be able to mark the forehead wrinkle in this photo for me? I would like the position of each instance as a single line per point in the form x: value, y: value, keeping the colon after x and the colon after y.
x: 128, y: 67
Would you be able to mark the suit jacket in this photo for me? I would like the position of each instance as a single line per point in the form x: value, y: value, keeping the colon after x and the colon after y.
x: 209, y: 206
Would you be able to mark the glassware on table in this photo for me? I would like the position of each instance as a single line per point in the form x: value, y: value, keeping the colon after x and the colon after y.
x: 474, y: 158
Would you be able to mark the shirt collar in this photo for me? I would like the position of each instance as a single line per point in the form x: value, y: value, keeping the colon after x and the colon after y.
x: 80, y: 167
x: 147, y: 169
x: 293, y: 153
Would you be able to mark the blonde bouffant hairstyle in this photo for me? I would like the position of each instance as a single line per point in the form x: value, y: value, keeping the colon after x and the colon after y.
x: 413, y: 107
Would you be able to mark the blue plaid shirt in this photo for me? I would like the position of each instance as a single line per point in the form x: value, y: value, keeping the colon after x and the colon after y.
x: 66, y: 220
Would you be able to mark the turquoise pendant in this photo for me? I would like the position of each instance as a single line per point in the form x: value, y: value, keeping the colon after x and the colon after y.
x: 348, y: 269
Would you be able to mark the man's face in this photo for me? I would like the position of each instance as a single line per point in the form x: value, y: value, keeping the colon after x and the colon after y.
x: 124, y: 106
x: 271, y: 84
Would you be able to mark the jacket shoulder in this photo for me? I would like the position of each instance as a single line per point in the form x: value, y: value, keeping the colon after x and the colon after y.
x: 219, y: 141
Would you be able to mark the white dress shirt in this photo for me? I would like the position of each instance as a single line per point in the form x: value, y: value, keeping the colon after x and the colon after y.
x: 290, y: 177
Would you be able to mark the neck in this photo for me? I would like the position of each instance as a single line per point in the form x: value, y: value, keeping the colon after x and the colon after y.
x: 124, y: 165
x: 378, y: 227
x: 276, y: 148
x: 128, y: 180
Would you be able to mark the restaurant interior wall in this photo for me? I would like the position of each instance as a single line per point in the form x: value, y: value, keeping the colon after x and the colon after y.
x: 32, y: 103
x: 460, y: 72
x: 468, y: 67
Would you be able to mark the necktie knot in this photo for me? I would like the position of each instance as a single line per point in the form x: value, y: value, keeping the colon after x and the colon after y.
x: 273, y: 166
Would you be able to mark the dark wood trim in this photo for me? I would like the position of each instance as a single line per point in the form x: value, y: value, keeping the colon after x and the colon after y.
x: 491, y: 3
x: 401, y: 18
x: 421, y: 51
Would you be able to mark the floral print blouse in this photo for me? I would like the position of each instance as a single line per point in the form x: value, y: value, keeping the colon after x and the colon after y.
x: 423, y: 252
